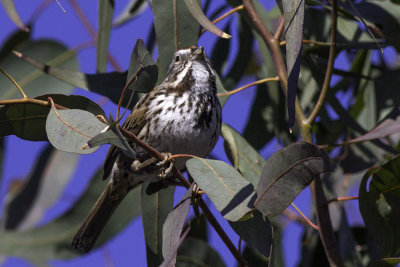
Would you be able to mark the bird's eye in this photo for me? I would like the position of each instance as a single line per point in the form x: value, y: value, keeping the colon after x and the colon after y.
x: 177, y: 58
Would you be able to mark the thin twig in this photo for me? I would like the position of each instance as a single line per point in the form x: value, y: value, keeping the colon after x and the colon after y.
x: 29, y: 100
x: 329, y: 68
x: 176, y: 26
x: 233, y: 10
x: 249, y: 85
x: 308, y: 221
x: 335, y: 199
x: 14, y: 82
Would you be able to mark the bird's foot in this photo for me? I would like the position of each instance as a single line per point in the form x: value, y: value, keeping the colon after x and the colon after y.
x: 166, y: 166
x: 138, y: 166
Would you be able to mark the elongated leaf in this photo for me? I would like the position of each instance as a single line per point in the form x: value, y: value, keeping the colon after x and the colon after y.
x: 132, y: 9
x: 53, y: 240
x: 17, y: 38
x: 379, y: 198
x: 228, y: 190
x: 142, y: 66
x: 197, y: 13
x: 198, y: 252
x: 106, y: 11
x: 286, y: 173
x: 69, y: 130
x: 32, y: 80
x: 28, y: 121
x: 13, y: 14
x: 257, y: 232
x: 293, y: 12
x: 19, y: 203
x: 387, y: 127
x: 173, y: 225
x: 245, y: 158
x: 155, y: 209
x: 168, y: 41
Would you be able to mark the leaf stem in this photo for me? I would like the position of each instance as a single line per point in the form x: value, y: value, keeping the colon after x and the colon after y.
x: 329, y: 68
x: 329, y: 201
x: 280, y: 28
x: 233, y: 10
x: 308, y: 221
x: 249, y: 85
x: 14, y: 82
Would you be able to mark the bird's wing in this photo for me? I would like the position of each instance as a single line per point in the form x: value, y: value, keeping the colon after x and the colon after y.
x: 134, y: 123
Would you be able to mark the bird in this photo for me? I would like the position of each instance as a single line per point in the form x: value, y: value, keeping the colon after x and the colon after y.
x: 182, y: 115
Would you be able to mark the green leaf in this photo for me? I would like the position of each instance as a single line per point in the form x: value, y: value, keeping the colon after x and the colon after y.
x: 45, y: 184
x: 165, y: 23
x: 229, y: 191
x: 286, y: 173
x: 53, y: 240
x: 144, y: 69
x: 32, y: 81
x: 293, y: 12
x: 257, y: 232
x: 173, y: 225
x: 17, y: 38
x: 379, y: 198
x: 196, y: 252
x: 13, y: 14
x: 28, y: 121
x: 132, y: 9
x: 105, y: 16
x: 155, y: 209
x: 69, y: 130
x: 197, y: 13
x: 113, y: 136
x: 245, y: 158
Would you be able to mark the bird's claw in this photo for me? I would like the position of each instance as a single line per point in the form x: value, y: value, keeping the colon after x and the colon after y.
x: 166, y: 166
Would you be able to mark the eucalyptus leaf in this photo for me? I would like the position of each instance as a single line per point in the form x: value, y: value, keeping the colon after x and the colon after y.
x: 195, y: 9
x: 105, y: 16
x: 132, y: 9
x: 53, y: 240
x: 379, y: 196
x: 32, y: 81
x: 293, y: 12
x: 245, y: 158
x: 155, y: 209
x: 13, y: 14
x: 257, y: 232
x: 69, y: 130
x: 165, y: 23
x: 286, y: 173
x: 142, y: 68
x: 173, y: 225
x: 28, y: 120
x: 196, y: 252
x: 231, y: 194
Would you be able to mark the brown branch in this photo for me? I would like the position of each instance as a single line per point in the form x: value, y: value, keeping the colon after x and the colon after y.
x: 14, y: 82
x: 280, y: 28
x: 277, y: 58
x: 329, y: 68
x: 31, y: 101
x: 335, y: 199
x: 308, y: 221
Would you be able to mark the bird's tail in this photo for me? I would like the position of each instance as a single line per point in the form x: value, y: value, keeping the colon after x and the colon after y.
x: 97, y: 218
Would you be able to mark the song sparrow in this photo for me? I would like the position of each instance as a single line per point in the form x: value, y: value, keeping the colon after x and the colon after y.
x: 181, y: 115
